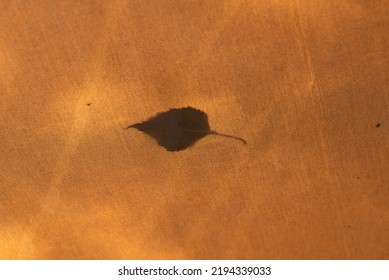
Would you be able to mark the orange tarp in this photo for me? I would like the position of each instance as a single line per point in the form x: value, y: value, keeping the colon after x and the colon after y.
x: 305, y: 83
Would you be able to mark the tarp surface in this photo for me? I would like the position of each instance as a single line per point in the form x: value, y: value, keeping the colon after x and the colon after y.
x: 305, y: 83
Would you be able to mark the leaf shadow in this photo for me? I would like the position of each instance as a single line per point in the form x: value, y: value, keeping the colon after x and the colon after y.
x: 178, y: 129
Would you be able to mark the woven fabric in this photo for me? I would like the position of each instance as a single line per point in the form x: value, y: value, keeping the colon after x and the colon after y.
x: 305, y: 83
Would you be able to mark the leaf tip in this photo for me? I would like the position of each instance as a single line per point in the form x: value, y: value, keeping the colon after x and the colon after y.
x: 131, y: 126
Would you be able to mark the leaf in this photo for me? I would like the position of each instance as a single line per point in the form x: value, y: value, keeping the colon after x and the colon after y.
x: 178, y: 129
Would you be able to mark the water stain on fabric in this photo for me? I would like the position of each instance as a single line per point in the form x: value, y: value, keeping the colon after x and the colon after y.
x: 178, y: 129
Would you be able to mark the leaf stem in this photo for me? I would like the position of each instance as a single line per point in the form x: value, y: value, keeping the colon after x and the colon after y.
x: 217, y: 133
x: 229, y: 136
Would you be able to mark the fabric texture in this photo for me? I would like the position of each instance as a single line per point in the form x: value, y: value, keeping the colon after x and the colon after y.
x: 305, y: 83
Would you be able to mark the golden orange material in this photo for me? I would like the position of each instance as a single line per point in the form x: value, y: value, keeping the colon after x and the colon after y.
x: 305, y: 83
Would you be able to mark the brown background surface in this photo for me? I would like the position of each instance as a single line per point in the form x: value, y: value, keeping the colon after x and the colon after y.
x: 304, y: 82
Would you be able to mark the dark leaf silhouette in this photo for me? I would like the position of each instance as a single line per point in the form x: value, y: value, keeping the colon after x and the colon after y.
x: 178, y: 129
